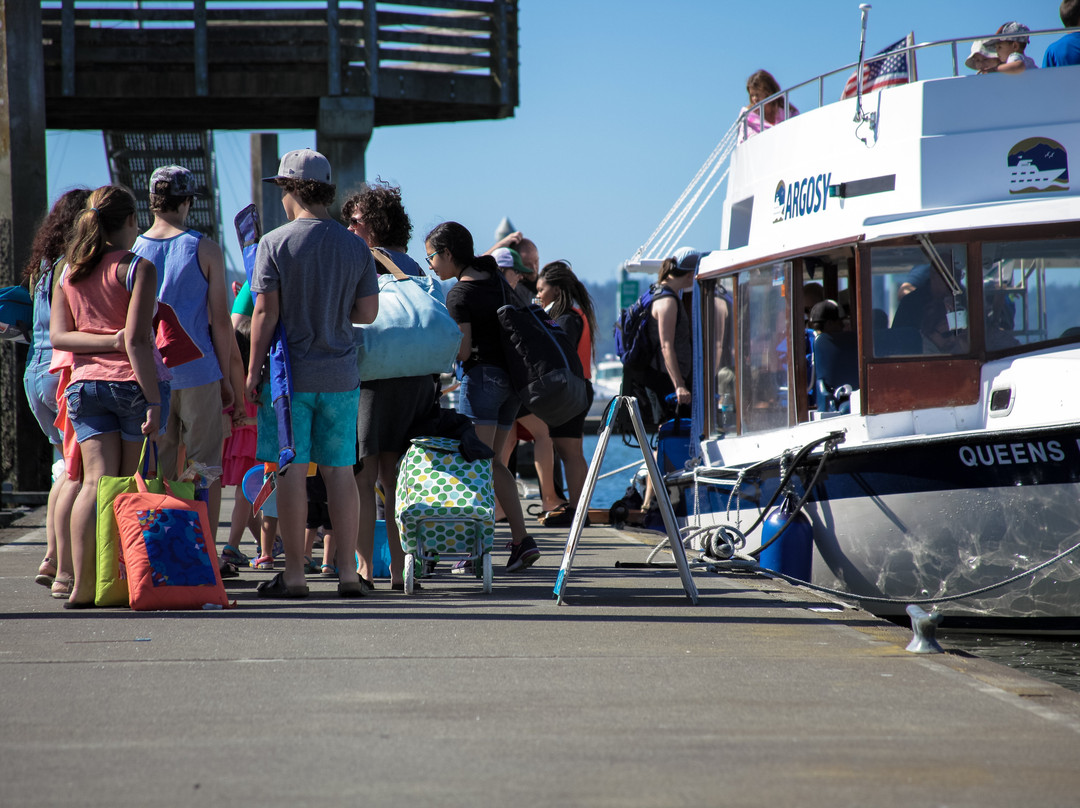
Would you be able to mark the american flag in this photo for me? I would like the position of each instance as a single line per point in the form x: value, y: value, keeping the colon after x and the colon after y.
x: 882, y: 73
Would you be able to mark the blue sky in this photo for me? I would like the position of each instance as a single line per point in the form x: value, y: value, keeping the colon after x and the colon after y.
x: 620, y: 103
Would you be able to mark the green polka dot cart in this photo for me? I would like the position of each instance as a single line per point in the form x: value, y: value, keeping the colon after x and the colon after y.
x: 445, y: 508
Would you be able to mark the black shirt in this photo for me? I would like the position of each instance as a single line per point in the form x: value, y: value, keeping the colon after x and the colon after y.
x: 477, y: 303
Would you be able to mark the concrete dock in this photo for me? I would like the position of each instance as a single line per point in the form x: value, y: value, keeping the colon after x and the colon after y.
x: 762, y: 694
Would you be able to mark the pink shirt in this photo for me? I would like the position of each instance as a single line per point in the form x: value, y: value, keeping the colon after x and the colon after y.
x: 754, y: 121
x: 99, y: 305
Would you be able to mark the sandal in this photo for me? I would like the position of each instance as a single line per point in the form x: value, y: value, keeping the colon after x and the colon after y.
x: 561, y: 516
x: 329, y: 570
x: 277, y: 588
x: 310, y: 567
x: 263, y: 563
x: 61, y: 587
x: 231, y: 555
x: 46, y: 573
x: 352, y: 589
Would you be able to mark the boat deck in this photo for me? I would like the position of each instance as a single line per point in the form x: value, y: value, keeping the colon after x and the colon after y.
x: 627, y: 695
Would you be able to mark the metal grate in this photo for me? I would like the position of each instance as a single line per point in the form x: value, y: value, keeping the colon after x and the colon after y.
x: 133, y: 156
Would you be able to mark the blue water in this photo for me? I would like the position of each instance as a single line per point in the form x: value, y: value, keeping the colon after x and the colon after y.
x: 611, y: 488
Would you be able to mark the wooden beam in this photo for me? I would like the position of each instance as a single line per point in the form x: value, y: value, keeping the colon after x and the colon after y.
x: 202, y: 81
x: 25, y: 455
x: 333, y: 49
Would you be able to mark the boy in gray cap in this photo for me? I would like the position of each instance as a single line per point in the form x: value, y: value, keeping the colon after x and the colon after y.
x: 191, y: 279
x: 1010, y: 45
x: 319, y: 280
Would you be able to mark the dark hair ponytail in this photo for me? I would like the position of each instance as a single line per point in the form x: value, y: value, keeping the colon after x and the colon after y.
x: 455, y: 239
x: 560, y: 276
x: 54, y: 231
x: 107, y: 210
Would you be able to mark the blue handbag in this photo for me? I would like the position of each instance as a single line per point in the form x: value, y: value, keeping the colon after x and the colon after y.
x: 413, y: 333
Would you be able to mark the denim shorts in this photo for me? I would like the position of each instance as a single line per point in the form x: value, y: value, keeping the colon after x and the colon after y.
x: 487, y: 398
x: 40, y: 386
x: 101, y: 408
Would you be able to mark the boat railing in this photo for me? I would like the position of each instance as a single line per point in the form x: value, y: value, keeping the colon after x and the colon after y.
x: 704, y: 185
x: 952, y: 45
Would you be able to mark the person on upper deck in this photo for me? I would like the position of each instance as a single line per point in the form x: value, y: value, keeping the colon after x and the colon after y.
x: 1066, y: 51
x: 983, y: 58
x: 760, y: 86
x: 1010, y: 45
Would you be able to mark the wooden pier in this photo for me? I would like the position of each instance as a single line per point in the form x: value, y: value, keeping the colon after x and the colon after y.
x: 338, y: 67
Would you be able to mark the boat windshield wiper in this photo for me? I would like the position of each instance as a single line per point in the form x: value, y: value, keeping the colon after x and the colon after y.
x: 930, y: 251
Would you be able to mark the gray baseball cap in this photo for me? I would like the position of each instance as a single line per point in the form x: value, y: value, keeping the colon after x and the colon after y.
x: 174, y: 181
x: 302, y: 164
x: 1010, y: 32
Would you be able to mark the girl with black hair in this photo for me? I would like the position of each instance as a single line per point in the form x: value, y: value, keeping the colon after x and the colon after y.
x: 487, y: 398
x: 567, y: 301
x: 41, y: 387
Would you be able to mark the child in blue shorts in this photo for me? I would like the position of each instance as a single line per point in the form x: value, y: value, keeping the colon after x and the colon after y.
x: 319, y: 280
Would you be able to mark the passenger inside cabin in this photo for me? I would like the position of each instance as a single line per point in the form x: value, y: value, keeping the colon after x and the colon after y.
x: 1066, y: 51
x: 983, y: 58
x: 760, y: 86
x: 937, y: 313
x: 1010, y: 46
x: 836, y: 358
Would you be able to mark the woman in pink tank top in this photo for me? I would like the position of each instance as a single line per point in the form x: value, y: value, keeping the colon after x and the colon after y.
x: 102, y: 312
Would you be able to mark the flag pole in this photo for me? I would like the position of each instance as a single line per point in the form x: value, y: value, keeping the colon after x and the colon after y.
x: 865, y: 10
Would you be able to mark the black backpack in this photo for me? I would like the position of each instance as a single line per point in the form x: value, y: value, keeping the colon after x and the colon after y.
x: 544, y: 367
x: 632, y: 343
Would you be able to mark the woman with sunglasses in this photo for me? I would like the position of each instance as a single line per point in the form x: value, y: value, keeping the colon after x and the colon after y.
x: 487, y: 398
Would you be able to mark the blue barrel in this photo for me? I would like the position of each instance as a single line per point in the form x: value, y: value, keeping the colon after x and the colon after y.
x: 792, y: 553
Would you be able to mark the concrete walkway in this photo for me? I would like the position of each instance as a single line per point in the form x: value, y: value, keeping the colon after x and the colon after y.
x: 625, y: 696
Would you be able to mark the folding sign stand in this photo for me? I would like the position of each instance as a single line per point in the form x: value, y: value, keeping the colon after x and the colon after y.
x: 666, y: 511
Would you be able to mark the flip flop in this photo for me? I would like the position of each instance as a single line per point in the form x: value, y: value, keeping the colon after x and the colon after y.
x: 351, y: 589
x: 277, y: 588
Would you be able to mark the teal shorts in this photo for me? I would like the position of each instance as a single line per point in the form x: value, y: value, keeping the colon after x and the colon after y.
x: 324, y: 427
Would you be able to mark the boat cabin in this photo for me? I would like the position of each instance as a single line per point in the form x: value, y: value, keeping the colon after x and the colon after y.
x: 942, y: 219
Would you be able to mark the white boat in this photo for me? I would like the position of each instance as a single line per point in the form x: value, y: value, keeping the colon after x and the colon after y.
x: 955, y: 462
x: 606, y: 382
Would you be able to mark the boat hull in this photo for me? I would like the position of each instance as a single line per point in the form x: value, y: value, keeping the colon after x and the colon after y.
x: 930, y: 518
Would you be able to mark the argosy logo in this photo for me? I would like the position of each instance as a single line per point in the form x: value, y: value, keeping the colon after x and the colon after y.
x: 801, y: 197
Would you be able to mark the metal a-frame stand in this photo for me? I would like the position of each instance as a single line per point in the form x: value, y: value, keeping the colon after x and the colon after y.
x: 666, y: 511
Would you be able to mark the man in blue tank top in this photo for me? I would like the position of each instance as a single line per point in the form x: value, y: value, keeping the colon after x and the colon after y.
x: 191, y: 279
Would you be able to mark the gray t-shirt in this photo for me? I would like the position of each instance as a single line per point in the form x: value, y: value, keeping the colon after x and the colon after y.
x: 320, y: 269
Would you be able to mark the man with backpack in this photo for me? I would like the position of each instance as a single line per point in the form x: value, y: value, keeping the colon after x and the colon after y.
x: 654, y: 342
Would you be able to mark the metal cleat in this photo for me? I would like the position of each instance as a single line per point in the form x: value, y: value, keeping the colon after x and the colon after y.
x: 924, y: 625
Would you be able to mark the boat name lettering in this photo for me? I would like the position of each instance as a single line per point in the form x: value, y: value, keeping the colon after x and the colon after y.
x: 801, y: 197
x: 1007, y: 454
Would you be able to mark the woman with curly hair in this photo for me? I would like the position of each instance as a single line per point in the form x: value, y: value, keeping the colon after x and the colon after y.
x: 102, y: 312
x: 567, y: 301
x: 388, y: 407
x: 41, y: 386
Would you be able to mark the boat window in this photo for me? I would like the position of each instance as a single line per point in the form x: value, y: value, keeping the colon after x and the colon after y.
x: 764, y: 337
x: 1031, y: 291
x: 919, y: 300
x: 719, y: 337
